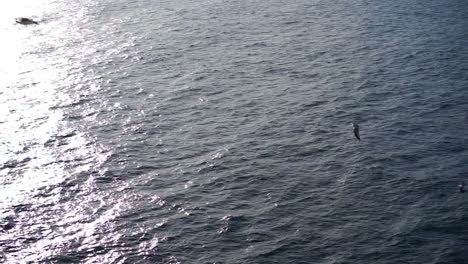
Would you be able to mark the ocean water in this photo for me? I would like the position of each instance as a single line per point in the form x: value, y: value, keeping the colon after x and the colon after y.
x: 220, y: 131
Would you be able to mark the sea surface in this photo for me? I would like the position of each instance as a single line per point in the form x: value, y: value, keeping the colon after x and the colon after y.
x: 219, y: 131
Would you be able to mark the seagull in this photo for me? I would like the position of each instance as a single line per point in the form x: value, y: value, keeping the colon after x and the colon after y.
x: 356, y: 130
x: 25, y: 21
x: 461, y: 187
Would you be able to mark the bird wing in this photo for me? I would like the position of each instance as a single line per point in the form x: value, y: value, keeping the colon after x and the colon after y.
x: 356, y: 133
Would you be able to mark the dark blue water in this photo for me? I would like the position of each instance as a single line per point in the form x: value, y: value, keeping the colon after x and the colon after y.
x: 220, y: 132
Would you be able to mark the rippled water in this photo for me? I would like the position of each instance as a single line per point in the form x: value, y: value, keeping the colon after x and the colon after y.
x: 219, y: 132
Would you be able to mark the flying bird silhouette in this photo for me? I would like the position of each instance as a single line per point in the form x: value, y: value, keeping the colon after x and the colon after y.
x: 356, y: 130
x: 25, y: 21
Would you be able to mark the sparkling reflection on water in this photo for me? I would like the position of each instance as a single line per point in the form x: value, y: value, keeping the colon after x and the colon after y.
x: 40, y: 148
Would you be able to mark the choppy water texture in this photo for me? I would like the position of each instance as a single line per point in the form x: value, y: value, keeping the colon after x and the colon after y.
x: 220, y: 132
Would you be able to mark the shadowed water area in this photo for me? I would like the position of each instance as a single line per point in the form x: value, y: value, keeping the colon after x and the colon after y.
x: 220, y: 132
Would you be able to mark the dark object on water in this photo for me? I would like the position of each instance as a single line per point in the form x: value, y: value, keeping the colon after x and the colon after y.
x: 461, y: 187
x: 356, y: 130
x: 25, y: 21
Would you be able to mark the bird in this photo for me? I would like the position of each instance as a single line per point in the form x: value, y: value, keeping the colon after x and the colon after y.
x: 356, y: 130
x: 25, y: 21
x: 461, y: 187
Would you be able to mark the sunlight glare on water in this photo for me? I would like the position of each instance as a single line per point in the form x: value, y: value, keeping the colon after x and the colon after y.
x: 40, y: 148
x: 26, y: 94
